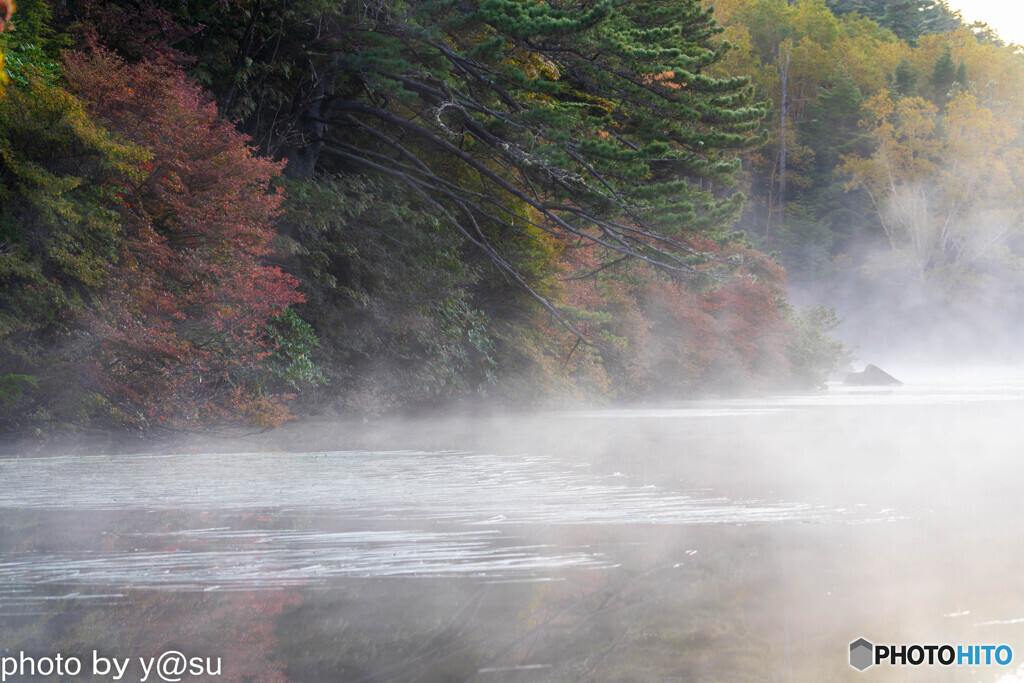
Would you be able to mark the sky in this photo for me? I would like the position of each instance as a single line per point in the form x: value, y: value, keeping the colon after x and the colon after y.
x: 1005, y: 16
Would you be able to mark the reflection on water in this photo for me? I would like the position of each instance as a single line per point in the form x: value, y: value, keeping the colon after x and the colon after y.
x: 724, y: 540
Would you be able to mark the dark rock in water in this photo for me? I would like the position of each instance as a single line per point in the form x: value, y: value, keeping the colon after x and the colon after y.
x: 873, y: 376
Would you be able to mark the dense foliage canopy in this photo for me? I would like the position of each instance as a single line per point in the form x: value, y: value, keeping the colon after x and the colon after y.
x: 523, y: 199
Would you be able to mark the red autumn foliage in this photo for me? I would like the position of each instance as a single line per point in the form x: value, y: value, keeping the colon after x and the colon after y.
x: 141, y: 30
x: 6, y: 10
x: 686, y: 341
x: 180, y: 332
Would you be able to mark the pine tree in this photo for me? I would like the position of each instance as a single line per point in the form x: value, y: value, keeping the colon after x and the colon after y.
x: 944, y: 75
x: 904, y: 80
x: 908, y: 19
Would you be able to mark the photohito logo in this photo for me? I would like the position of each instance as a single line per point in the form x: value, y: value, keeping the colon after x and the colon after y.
x: 863, y: 654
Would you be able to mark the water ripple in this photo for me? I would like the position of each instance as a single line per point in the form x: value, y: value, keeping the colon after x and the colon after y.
x: 479, y: 509
x: 226, y: 560
x: 399, y: 485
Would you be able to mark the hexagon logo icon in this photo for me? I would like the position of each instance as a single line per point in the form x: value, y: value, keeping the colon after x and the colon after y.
x: 861, y: 654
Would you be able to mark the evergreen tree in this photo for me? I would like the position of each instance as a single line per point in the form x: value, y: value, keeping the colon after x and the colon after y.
x: 831, y: 132
x: 944, y: 75
x: 904, y: 80
x: 908, y: 19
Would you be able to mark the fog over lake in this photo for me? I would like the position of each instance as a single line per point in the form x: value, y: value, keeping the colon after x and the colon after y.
x: 748, y: 539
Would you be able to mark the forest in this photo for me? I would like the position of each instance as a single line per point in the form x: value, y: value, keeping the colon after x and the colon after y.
x: 239, y: 212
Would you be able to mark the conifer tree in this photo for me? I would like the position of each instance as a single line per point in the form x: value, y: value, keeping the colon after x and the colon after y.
x: 908, y: 19
x: 944, y: 74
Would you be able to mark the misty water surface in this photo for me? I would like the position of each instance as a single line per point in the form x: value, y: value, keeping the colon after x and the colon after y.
x: 718, y: 540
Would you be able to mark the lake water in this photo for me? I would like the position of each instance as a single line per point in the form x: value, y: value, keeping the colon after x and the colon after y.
x: 733, y: 540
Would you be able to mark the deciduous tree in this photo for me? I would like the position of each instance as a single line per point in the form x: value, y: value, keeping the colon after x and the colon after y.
x: 943, y: 183
x: 181, y: 327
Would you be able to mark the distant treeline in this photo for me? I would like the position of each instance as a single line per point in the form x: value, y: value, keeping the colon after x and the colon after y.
x: 239, y: 211
x: 890, y: 184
